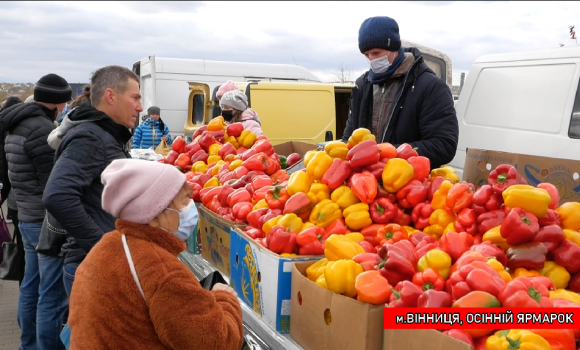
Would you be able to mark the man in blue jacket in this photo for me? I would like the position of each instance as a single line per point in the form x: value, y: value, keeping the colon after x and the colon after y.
x: 400, y: 99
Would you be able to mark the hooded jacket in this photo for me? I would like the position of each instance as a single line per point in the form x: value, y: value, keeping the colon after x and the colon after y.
x: 422, y: 113
x: 26, y: 159
x: 74, y: 189
x: 251, y: 122
x: 143, y: 137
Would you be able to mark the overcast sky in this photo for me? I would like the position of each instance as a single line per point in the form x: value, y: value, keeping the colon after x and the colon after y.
x: 73, y: 39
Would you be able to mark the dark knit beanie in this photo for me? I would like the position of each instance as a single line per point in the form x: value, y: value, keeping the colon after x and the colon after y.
x: 154, y: 110
x: 52, y: 88
x: 379, y: 33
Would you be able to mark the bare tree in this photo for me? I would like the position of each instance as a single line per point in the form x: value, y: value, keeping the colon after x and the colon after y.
x: 344, y: 74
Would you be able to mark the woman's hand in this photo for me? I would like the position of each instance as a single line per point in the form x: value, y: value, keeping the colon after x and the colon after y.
x: 225, y: 288
x: 164, y: 138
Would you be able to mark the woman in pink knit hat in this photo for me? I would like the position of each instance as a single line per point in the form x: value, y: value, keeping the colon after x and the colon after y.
x: 131, y: 291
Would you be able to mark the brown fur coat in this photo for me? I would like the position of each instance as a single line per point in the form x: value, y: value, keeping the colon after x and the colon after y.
x: 107, y: 310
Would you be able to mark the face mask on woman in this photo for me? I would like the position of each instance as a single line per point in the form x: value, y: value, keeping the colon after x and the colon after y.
x: 228, y: 115
x: 188, y: 218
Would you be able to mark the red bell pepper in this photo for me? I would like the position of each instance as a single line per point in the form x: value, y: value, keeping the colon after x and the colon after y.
x: 196, y: 189
x: 182, y: 161
x: 422, y: 167
x: 559, y: 339
x: 337, y: 227
x: 214, y: 205
x: 281, y: 240
x: 337, y: 174
x: 425, y: 246
x: 263, y: 146
x: 434, y: 186
x: 406, y: 151
x: 248, y: 154
x: 574, y: 284
x: 519, y: 227
x: 255, y: 233
x: 171, y: 157
x: 199, y: 156
x: 382, y: 193
x: 552, y: 217
x: 292, y: 159
x: 210, y: 194
x: 261, y: 193
x: 420, y: 215
x: 218, y: 135
x: 368, y: 261
x: 240, y: 195
x: 192, y: 148
x: 399, y: 261
x: 434, y: 298
x: 199, y: 131
x: 240, y: 171
x: 311, y: 241
x: 489, y: 220
x: 235, y: 129
x: 429, y: 279
x: 241, y: 210
x: 276, y: 198
x: 566, y: 255
x: 227, y: 149
x: 364, y: 185
x: 206, y: 140
x: 178, y: 144
x: 261, y: 181
x: 551, y: 236
x: 466, y: 259
x: 402, y: 218
x: 272, y: 166
x: 485, y: 199
x: 419, y: 237
x: 257, y: 162
x: 298, y: 203
x: 466, y: 221
x: 531, y: 256
x: 387, y: 151
x: 363, y: 154
x: 460, y: 334
x: 477, y: 275
x: 280, y: 176
x: 270, y: 214
x: 368, y: 247
x: 504, y: 176
x: 412, y: 194
x: 370, y: 233
x: 460, y: 196
x: 253, y: 217
x: 382, y: 211
x: 263, y: 242
x: 545, y: 281
x: 553, y: 192
x: 524, y: 292
x: 405, y: 294
x: 223, y: 195
x: 490, y: 250
x: 455, y: 244
x: 377, y: 169
x: 564, y: 303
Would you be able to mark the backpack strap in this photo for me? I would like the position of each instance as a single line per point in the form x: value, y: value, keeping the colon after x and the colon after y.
x: 132, y: 266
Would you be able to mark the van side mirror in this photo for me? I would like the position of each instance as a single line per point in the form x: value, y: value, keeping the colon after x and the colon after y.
x: 329, y: 136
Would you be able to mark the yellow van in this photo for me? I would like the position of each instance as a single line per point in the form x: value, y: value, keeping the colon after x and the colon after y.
x: 308, y: 112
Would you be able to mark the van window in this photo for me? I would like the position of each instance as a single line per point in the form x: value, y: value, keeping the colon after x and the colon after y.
x: 197, y: 110
x: 529, y: 98
x: 574, y: 130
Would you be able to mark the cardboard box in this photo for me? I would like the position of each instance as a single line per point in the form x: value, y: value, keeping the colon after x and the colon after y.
x: 324, y: 320
x: 263, y: 279
x: 215, y: 239
x: 563, y: 173
x: 299, y: 147
x: 420, y: 339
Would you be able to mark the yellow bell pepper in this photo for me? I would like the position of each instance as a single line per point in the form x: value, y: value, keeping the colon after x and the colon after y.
x: 355, y: 236
x: 288, y: 255
x: 516, y: 339
x: 324, y: 213
x: 340, y: 247
x: 268, y: 225
x: 497, y: 266
x: 449, y: 228
x: 523, y: 272
x: 410, y: 230
x: 216, y: 168
x: 213, y: 159
x: 318, y: 192
x: 435, y: 259
x: 216, y: 124
x: 306, y: 226
x: 315, y: 270
x: 308, y: 157
x: 336, y: 149
x: 440, y: 196
x: 558, y: 274
x: 236, y: 164
x: 565, y: 294
x: 438, y: 221
x: 360, y: 135
x: 572, y: 235
x: 357, y: 216
x: 340, y: 276
x: 321, y: 281
x: 318, y: 165
x: 570, y: 215
x: 233, y: 141
x: 247, y: 139
x: 261, y: 204
x: 299, y: 182
x: 445, y: 172
x: 213, y: 182
x: 532, y: 199
x: 494, y: 236
x: 397, y: 173
x: 344, y: 197
x: 197, y: 138
x: 199, y: 167
x: 214, y: 149
x: 291, y: 221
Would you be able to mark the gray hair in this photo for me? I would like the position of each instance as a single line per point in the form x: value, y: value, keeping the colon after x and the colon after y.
x: 110, y: 77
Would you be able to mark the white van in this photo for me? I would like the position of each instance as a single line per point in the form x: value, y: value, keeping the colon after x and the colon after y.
x: 527, y: 103
x: 165, y: 82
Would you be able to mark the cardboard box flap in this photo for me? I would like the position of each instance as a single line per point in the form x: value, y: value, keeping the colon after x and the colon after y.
x: 287, y: 148
x: 419, y: 339
x: 562, y: 173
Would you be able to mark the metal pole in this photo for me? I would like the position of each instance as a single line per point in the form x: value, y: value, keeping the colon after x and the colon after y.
x: 461, y: 82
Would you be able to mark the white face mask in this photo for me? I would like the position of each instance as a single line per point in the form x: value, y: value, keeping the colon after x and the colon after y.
x: 380, y: 65
x: 188, y: 217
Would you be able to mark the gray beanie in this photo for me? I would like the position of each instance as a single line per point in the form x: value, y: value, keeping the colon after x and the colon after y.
x: 154, y: 110
x: 235, y: 99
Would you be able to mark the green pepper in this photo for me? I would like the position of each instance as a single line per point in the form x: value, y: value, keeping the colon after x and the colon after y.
x: 283, y: 163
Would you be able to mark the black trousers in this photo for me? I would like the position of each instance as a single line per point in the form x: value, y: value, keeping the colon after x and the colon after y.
x: 13, y: 215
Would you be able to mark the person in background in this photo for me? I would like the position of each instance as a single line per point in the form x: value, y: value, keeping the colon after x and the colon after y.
x: 152, y: 131
x: 234, y: 105
x: 73, y: 192
x: 27, y: 159
x: 84, y: 97
x: 400, y: 99
x: 29, y: 99
x: 133, y: 279
x: 56, y: 135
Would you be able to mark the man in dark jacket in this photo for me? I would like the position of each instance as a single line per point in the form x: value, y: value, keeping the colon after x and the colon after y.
x: 98, y: 134
x: 400, y: 99
x: 28, y: 159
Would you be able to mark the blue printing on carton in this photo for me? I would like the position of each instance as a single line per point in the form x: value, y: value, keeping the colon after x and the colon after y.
x: 213, y: 240
x: 244, y: 272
